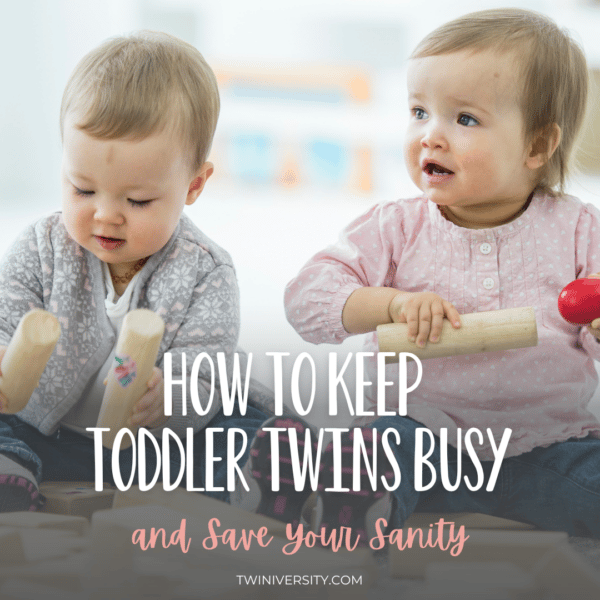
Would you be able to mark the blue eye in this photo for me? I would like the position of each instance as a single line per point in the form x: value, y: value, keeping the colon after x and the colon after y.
x: 467, y: 120
x: 419, y: 113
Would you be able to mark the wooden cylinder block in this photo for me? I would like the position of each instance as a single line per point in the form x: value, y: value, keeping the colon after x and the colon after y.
x: 479, y: 332
x: 28, y: 352
x: 135, y: 357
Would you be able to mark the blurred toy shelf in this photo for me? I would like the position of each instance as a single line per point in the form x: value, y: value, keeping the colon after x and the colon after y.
x: 313, y: 91
x: 302, y: 125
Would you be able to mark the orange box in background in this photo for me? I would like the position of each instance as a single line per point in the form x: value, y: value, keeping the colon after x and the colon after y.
x: 255, y: 146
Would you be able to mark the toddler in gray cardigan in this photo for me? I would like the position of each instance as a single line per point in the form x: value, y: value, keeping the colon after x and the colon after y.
x: 137, y: 121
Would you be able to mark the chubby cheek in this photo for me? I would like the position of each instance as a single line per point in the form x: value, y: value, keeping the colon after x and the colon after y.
x: 479, y: 164
x: 148, y: 234
x: 412, y: 153
x: 75, y: 221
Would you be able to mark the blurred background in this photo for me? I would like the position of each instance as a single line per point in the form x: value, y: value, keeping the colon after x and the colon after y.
x: 310, y: 133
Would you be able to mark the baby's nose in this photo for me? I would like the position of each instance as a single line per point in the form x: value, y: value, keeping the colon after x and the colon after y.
x: 434, y: 136
x: 108, y: 211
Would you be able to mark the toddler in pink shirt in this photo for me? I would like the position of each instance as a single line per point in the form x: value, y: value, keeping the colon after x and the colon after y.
x: 496, y: 99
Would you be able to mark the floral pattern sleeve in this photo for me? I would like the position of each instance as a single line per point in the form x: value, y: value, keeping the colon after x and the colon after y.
x: 21, y: 287
x: 211, y: 326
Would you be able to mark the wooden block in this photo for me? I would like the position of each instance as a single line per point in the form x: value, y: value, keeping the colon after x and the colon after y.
x: 481, y: 577
x: 487, y: 331
x: 189, y: 591
x: 22, y: 589
x: 468, y: 520
x: 167, y: 579
x: 112, y: 535
x: 34, y: 520
x: 118, y: 564
x: 47, y: 544
x: 26, y: 356
x: 564, y: 574
x: 198, y: 506
x: 127, y: 381
x: 522, y: 548
x: 75, y: 498
x: 11, y: 547
x: 67, y: 573
x: 19, y: 546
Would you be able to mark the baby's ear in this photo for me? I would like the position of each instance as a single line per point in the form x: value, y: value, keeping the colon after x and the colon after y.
x: 198, y: 181
x: 543, y: 146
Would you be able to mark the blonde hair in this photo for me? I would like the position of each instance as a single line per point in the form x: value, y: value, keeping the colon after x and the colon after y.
x: 553, y: 70
x: 137, y: 85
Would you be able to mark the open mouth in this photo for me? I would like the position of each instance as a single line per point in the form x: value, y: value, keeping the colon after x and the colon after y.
x: 109, y: 243
x: 432, y: 168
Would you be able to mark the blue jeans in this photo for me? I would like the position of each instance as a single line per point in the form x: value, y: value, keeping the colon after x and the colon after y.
x: 68, y: 456
x: 554, y: 488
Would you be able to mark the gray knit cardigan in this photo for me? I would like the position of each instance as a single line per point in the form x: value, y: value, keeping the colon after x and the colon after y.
x: 190, y: 283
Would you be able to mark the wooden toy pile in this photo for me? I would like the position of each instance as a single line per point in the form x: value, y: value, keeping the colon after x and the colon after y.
x: 88, y: 552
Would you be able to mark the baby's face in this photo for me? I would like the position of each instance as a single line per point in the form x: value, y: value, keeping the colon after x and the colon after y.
x: 464, y: 146
x: 122, y: 198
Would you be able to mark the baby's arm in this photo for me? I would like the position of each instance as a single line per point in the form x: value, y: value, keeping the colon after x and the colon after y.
x: 424, y: 312
x: 349, y: 288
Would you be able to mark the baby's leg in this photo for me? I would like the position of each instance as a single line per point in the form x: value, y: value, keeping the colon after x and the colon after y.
x: 357, y: 509
x: 360, y: 509
x: 335, y: 509
x: 249, y: 423
x: 556, y: 488
x: 436, y: 498
x: 20, y: 469
x: 284, y: 504
x: 405, y: 495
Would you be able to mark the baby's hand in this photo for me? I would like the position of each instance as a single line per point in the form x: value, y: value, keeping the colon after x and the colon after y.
x: 594, y: 326
x: 149, y: 410
x: 3, y: 399
x: 424, y: 313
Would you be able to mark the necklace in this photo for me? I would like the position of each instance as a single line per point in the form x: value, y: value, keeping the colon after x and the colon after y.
x: 129, y: 275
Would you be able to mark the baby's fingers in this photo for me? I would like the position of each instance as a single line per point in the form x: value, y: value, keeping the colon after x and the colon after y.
x: 411, y: 318
x: 425, y: 323
x: 144, y: 403
x: 452, y: 314
x: 155, y: 378
x: 594, y: 328
x: 437, y: 320
x: 152, y: 416
x: 145, y: 418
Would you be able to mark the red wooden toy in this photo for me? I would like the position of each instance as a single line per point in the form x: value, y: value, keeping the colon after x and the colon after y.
x: 579, y: 302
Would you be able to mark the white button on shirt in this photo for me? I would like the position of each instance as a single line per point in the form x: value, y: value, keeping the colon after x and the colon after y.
x: 488, y: 283
x: 485, y: 248
x: 413, y: 234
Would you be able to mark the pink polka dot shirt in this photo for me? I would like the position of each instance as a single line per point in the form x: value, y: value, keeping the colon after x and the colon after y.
x: 540, y: 393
